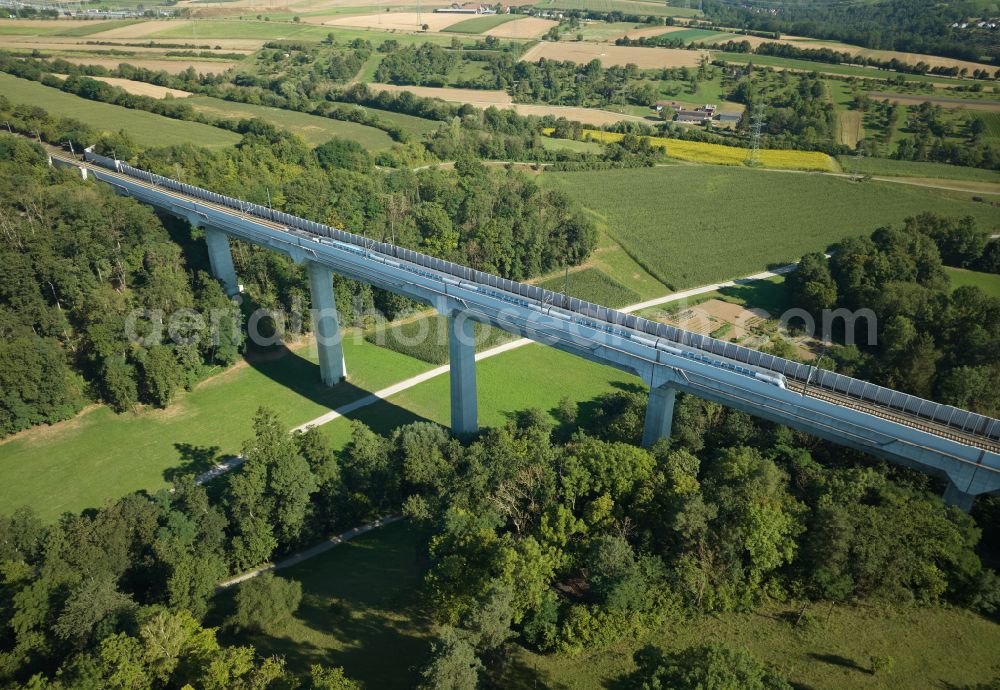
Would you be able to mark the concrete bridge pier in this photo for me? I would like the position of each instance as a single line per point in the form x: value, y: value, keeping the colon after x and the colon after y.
x: 462, y: 359
x: 954, y: 496
x: 221, y: 260
x: 659, y: 414
x: 326, y: 325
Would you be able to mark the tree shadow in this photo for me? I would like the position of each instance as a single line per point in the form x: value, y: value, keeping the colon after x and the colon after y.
x: 516, y: 673
x: 193, y: 460
x: 361, y: 609
x: 837, y: 660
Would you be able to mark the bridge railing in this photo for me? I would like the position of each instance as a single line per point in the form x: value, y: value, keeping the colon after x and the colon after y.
x: 606, y: 318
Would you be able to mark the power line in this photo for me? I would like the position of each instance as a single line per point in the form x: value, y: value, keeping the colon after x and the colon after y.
x: 757, y: 126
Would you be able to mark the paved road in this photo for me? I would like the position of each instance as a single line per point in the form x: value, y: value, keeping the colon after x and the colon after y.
x: 406, y: 384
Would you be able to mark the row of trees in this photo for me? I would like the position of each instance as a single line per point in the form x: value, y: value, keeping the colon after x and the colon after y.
x: 933, y: 342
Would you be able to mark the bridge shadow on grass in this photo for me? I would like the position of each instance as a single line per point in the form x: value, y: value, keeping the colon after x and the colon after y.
x: 360, y: 610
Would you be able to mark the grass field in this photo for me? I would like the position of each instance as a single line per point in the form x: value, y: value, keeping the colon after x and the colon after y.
x: 690, y: 35
x: 147, y: 129
x: 478, y: 25
x: 222, y: 28
x: 690, y: 226
x: 592, y: 285
x: 570, y: 145
x: 893, y: 168
x: 426, y: 338
x: 987, y: 282
x: 931, y: 647
x: 717, y: 154
x: 99, y: 456
x: 991, y: 122
x: 533, y: 376
x: 624, y: 6
x: 822, y: 67
x: 313, y: 129
x: 97, y: 27
x: 360, y: 610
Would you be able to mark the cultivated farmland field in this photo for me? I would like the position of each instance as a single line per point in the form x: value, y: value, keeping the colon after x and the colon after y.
x: 717, y: 154
x: 640, y: 7
x: 691, y: 226
x: 313, y: 129
x: 477, y: 25
x: 888, y: 167
x: 147, y: 129
x: 612, y: 55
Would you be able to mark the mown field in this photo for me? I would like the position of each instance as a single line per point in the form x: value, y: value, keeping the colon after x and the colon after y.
x: 987, y: 282
x: 893, y: 168
x: 426, y: 338
x: 313, y: 129
x: 478, y: 25
x: 717, y: 154
x: 531, y: 376
x: 99, y: 456
x: 690, y: 226
x: 147, y: 129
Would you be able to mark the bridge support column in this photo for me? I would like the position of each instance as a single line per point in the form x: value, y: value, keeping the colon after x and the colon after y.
x: 954, y: 496
x: 326, y: 325
x: 659, y: 414
x: 221, y: 260
x: 462, y: 358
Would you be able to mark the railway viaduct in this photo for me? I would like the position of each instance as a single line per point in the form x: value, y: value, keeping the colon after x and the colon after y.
x: 961, y: 447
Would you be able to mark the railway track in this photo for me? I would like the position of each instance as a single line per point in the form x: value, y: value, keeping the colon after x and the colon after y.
x: 900, y: 418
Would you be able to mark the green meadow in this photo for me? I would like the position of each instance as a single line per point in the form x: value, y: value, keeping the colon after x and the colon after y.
x: 147, y: 129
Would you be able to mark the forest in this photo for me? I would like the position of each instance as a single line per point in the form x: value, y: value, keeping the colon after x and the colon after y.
x: 933, y: 342
x: 66, y: 318
x: 915, y: 26
x: 559, y: 537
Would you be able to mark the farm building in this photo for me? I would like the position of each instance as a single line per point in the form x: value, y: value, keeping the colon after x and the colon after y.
x: 468, y: 8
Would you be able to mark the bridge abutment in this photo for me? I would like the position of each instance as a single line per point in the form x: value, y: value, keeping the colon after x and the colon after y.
x: 326, y: 325
x: 462, y: 365
x: 220, y: 258
x: 659, y: 414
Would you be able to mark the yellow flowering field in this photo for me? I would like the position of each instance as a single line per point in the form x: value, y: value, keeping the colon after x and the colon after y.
x: 717, y: 154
